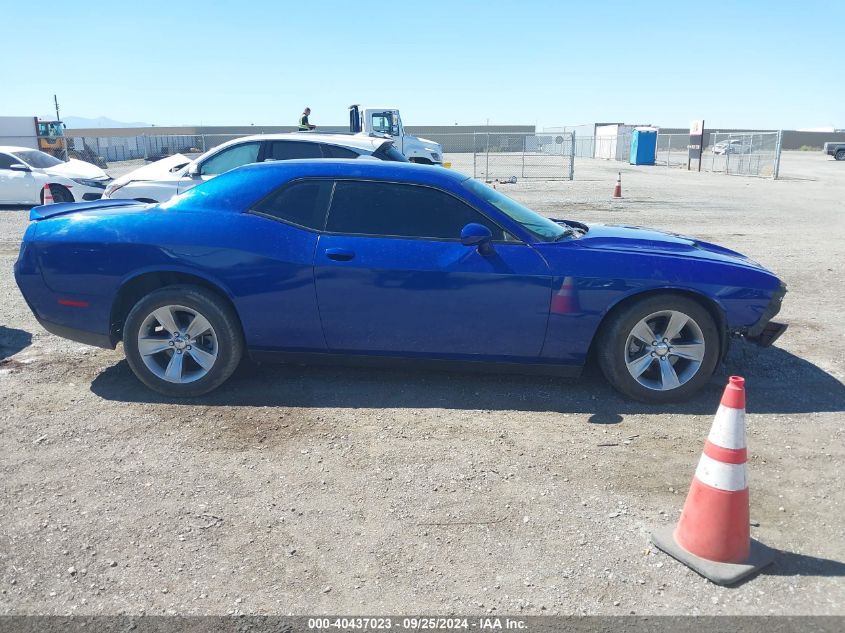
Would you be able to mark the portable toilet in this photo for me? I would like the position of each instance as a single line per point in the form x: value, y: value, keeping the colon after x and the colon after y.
x: 643, y: 146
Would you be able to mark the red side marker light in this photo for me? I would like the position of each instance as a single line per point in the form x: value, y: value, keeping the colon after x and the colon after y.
x: 73, y: 303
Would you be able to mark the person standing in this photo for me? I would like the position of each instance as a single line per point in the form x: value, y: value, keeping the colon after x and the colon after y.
x: 304, y: 125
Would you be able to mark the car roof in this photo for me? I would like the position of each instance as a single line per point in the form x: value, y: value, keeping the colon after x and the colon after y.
x: 364, y: 169
x: 15, y: 148
x: 348, y: 140
x: 239, y: 188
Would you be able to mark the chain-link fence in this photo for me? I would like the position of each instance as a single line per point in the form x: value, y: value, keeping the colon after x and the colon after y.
x: 734, y: 153
x: 507, y: 155
x: 487, y: 156
x: 607, y: 147
x: 112, y: 151
x: 744, y: 154
x: 672, y: 150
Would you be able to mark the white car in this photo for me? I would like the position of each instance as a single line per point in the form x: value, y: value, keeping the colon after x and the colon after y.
x: 159, y: 181
x: 24, y: 172
x: 732, y: 146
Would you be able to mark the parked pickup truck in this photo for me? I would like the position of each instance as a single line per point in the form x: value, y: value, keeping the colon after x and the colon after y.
x: 386, y: 122
x: 837, y: 150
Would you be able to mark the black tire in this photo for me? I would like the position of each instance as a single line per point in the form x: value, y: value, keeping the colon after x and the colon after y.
x: 218, y: 313
x: 60, y: 194
x: 420, y: 161
x: 613, y: 342
x: 840, y: 154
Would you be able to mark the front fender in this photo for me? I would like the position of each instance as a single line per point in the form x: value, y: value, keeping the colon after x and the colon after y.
x: 598, y: 281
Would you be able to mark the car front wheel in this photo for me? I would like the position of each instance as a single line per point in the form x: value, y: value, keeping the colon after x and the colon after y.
x: 59, y: 193
x: 182, y: 341
x: 659, y: 349
x: 840, y: 154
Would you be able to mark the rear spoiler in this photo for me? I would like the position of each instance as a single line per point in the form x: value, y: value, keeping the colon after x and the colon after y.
x: 63, y: 208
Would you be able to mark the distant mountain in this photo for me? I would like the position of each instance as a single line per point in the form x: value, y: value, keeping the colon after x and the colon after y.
x: 76, y: 122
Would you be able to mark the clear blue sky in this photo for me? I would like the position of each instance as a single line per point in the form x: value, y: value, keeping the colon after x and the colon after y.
x: 736, y: 64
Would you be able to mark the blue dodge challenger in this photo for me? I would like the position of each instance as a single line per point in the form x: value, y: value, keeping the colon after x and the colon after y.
x: 381, y: 261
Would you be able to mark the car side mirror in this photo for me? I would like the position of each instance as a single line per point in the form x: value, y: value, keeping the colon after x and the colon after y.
x: 19, y: 167
x: 477, y: 235
x: 193, y: 171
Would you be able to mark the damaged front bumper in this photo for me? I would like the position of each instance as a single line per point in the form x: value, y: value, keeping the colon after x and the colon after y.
x: 765, y: 331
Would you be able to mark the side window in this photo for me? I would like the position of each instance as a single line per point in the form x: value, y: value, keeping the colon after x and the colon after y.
x: 302, y: 203
x: 378, y: 208
x: 334, y: 151
x: 7, y: 161
x: 290, y: 150
x: 230, y: 158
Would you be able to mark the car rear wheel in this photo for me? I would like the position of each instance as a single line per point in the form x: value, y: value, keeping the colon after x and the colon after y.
x: 840, y: 154
x: 182, y: 341
x: 659, y: 349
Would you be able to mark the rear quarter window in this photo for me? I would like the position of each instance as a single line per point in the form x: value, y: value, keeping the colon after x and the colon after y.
x: 335, y: 151
x: 388, y: 151
x: 302, y: 203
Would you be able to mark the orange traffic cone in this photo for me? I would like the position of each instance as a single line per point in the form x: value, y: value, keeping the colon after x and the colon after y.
x: 47, y: 195
x: 713, y: 536
x: 565, y: 301
x: 617, y: 190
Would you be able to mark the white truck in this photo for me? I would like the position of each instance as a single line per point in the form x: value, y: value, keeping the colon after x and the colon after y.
x: 386, y: 122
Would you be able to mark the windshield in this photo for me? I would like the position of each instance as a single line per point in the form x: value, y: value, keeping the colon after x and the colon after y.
x: 51, y: 128
x: 542, y: 228
x: 34, y: 158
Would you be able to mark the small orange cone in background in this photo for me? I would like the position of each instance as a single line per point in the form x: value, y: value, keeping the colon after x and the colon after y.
x: 48, y: 195
x: 713, y: 536
x: 617, y: 190
x: 565, y: 301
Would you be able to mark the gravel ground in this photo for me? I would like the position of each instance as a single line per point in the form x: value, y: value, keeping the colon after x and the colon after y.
x: 325, y: 489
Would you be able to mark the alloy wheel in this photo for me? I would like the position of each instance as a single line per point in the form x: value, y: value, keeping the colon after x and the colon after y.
x: 664, y: 350
x: 177, y: 344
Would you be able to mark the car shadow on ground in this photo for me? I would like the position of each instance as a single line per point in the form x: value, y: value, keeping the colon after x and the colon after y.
x: 12, y: 341
x: 777, y: 382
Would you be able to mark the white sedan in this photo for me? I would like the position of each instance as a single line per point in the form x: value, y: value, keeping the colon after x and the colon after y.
x: 24, y: 172
x: 163, y: 179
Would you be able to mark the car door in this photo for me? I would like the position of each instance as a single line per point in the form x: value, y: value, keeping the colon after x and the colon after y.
x: 16, y: 187
x: 223, y: 161
x: 392, y: 277
x: 280, y: 310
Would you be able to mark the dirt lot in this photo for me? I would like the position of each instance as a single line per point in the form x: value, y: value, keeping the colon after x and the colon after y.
x: 304, y: 490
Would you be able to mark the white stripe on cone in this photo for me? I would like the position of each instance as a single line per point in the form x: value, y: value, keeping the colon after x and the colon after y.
x: 730, y: 477
x: 728, y: 430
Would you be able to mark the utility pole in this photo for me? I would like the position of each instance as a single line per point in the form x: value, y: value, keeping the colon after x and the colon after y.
x: 58, y: 119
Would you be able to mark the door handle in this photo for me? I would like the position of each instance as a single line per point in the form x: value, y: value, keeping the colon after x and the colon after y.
x: 339, y: 254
